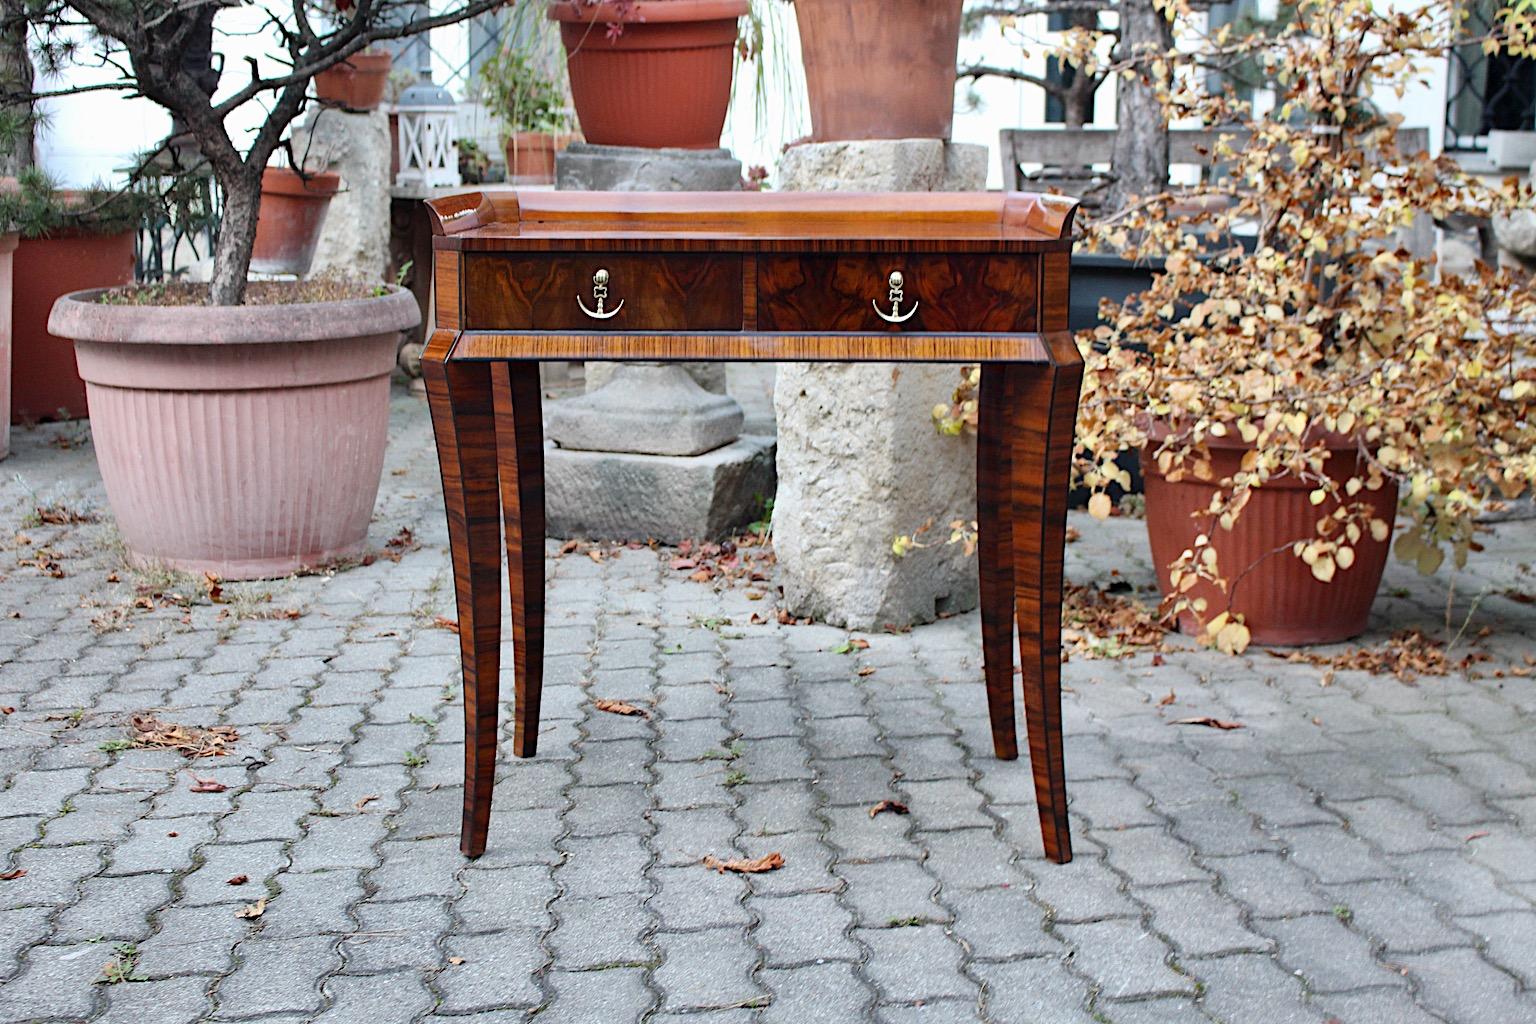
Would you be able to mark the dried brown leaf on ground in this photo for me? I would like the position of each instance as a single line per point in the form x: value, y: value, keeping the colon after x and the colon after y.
x: 618, y: 707
x: 362, y: 802
x: 149, y: 732
x: 238, y: 880
x: 13, y: 874
x: 742, y: 866
x: 1407, y: 655
x: 1208, y: 722
x: 457, y: 961
x: 444, y: 622
x: 1099, y: 623
x: 1481, y: 833
x: 746, y: 559
x: 889, y: 806
x: 254, y: 910
x: 57, y: 514
x: 200, y: 785
x: 1167, y: 699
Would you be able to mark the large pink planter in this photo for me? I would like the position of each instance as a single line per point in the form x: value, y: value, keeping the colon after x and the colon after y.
x: 244, y: 441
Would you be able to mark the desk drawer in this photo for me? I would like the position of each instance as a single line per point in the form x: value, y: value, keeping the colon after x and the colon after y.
x: 939, y: 293
x: 561, y: 292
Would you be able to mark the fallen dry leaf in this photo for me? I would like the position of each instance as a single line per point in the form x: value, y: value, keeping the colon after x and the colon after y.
x: 444, y: 622
x: 1479, y: 834
x: 207, y: 785
x: 1208, y: 722
x: 704, y: 575
x: 867, y: 670
x: 238, y: 880
x: 456, y: 960
x: 618, y: 707
x: 756, y: 866
x: 1407, y: 655
x: 889, y: 806
x: 13, y: 874
x: 569, y: 546
x: 1105, y: 623
x: 684, y: 563
x: 8, y: 709
x: 254, y: 910
x: 364, y: 801
x: 595, y: 555
x: 147, y: 731
x: 1169, y: 698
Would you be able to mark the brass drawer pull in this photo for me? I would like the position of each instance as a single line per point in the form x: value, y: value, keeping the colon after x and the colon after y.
x: 599, y: 293
x: 895, y: 316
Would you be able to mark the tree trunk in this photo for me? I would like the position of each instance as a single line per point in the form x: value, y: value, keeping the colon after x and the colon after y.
x: 1077, y: 100
x: 237, y: 234
x: 1140, y: 157
x: 16, y: 153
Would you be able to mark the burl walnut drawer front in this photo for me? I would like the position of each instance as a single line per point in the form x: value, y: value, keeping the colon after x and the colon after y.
x: 602, y: 292
x: 872, y: 292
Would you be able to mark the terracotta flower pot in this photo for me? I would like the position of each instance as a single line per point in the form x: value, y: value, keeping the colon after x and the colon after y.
x: 357, y: 83
x: 292, y: 213
x: 530, y: 158
x: 879, y: 69
x: 664, y: 81
x: 44, y: 384
x: 1279, y: 598
x: 245, y: 441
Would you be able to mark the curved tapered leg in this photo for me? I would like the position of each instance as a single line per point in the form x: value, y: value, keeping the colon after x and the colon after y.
x: 520, y: 447
x: 994, y: 552
x: 463, y: 418
x: 1045, y: 414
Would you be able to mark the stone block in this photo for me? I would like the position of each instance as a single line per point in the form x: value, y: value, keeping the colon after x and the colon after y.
x: 646, y: 408
x: 585, y: 167
x: 623, y: 496
x: 860, y: 463
x: 355, y: 238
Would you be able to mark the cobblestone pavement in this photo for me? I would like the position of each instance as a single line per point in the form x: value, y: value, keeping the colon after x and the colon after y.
x: 1361, y: 852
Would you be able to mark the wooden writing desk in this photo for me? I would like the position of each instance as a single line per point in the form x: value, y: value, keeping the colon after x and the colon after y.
x: 835, y: 277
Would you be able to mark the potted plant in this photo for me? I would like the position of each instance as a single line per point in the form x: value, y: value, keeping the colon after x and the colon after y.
x: 239, y: 427
x: 651, y: 72
x: 879, y: 69
x: 357, y: 83
x: 1285, y: 396
x: 531, y: 108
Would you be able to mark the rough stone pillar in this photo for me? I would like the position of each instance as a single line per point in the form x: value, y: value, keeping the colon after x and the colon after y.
x: 859, y: 461
x: 355, y: 238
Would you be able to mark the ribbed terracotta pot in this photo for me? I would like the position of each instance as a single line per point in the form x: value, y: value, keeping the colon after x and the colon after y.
x: 288, y: 224
x: 245, y: 441
x: 664, y: 81
x: 879, y: 69
x: 357, y: 83
x: 1281, y: 601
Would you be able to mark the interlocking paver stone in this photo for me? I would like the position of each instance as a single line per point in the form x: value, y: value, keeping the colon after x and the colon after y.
x: 1372, y: 835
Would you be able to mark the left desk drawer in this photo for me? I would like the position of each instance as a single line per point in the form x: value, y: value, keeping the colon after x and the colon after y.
x: 601, y: 292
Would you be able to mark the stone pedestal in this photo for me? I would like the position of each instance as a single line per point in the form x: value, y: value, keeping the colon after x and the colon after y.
x: 583, y: 167
x: 859, y: 460
x: 355, y: 238
x: 648, y: 452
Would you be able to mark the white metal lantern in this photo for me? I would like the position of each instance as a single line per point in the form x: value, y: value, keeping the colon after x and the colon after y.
x: 429, y: 155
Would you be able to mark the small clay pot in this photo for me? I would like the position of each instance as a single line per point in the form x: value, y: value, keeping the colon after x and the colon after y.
x: 530, y: 158
x: 292, y: 213
x: 357, y: 83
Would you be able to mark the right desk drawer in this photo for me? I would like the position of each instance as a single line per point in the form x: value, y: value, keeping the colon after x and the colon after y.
x: 898, y: 292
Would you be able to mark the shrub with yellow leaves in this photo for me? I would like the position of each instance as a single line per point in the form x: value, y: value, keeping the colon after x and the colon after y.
x: 1323, y: 325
